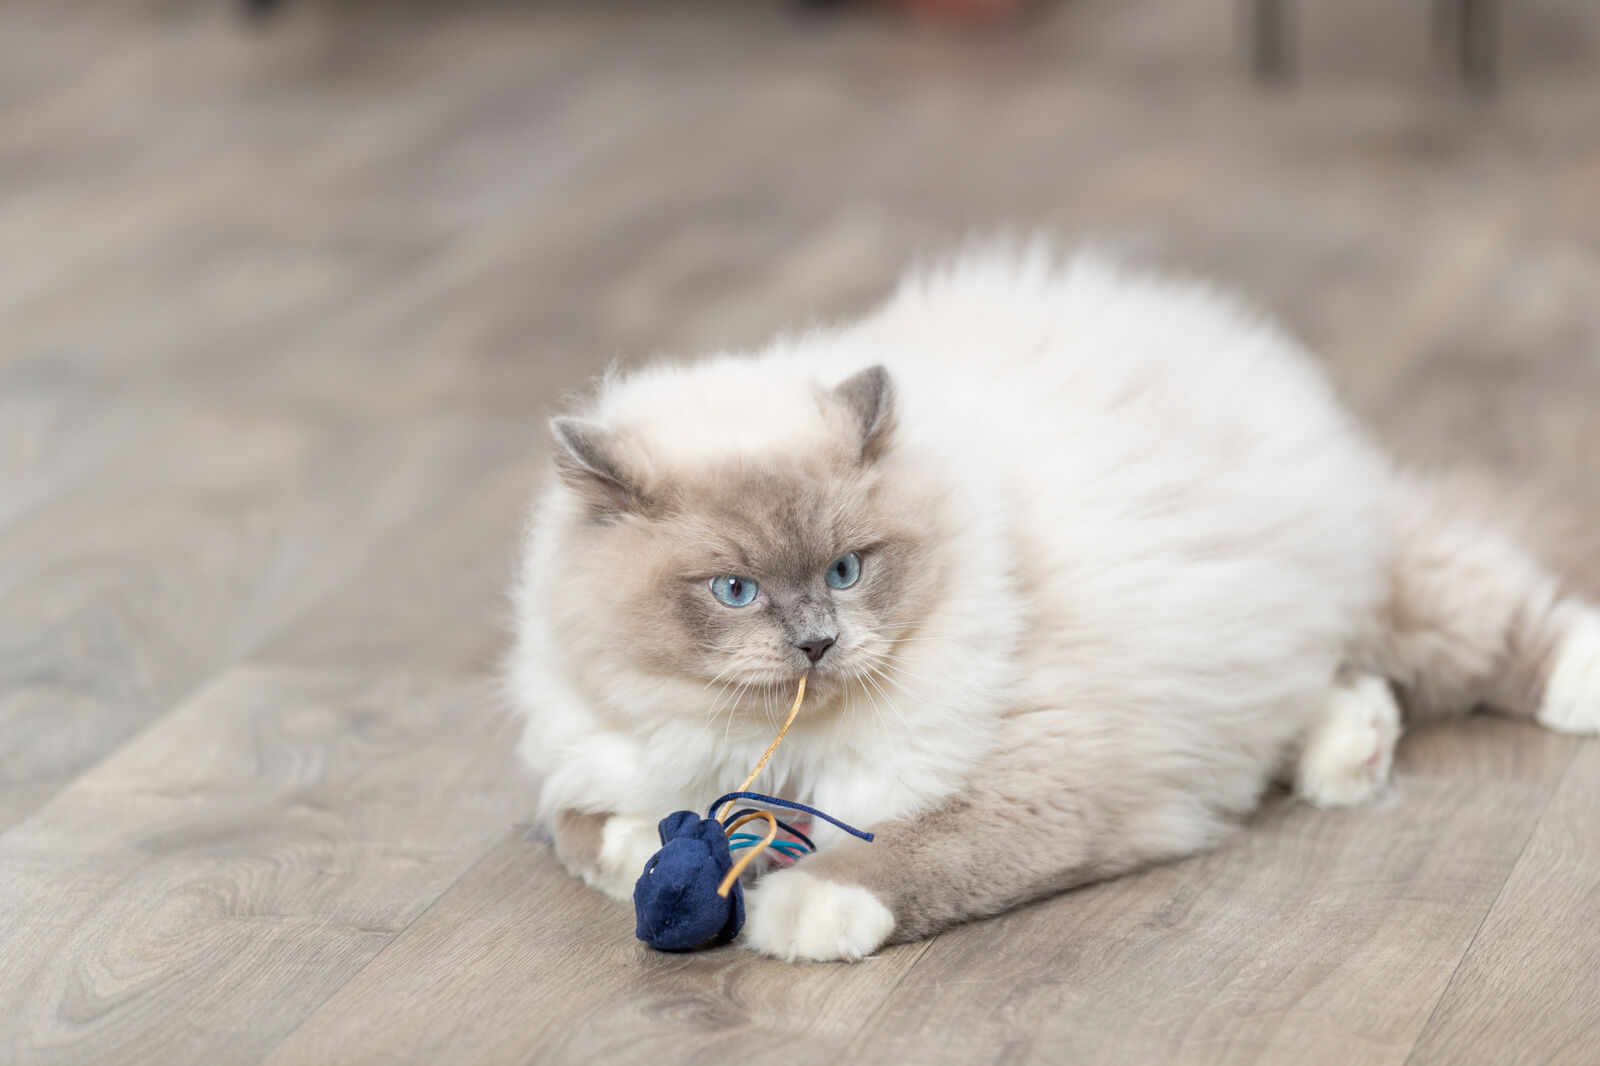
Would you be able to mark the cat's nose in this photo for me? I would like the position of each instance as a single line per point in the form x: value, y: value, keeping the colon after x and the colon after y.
x: 816, y: 647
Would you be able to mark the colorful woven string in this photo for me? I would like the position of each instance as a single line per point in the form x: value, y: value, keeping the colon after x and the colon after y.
x: 750, y: 843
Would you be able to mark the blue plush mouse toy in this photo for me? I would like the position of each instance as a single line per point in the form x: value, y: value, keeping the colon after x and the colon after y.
x: 689, y: 894
x: 675, y: 899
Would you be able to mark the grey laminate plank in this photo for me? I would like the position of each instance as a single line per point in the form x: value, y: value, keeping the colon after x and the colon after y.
x: 437, y: 596
x: 519, y: 962
x: 58, y: 432
x: 194, y: 896
x: 122, y: 597
x: 1526, y: 992
x: 1314, y: 936
x: 1481, y: 747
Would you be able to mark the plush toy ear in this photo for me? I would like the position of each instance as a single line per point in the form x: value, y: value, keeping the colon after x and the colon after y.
x: 869, y: 397
x: 586, y: 457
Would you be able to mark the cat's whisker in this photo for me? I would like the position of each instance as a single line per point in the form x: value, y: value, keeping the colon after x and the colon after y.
x: 936, y: 705
x: 732, y: 691
x: 732, y: 709
x: 883, y: 725
x: 877, y: 712
x: 727, y: 690
x: 724, y: 672
x: 766, y: 708
x: 900, y: 668
x: 905, y: 664
x: 892, y: 626
x: 727, y: 687
x: 893, y: 704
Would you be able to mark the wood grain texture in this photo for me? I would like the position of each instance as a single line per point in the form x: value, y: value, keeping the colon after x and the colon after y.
x: 1485, y: 747
x: 1295, y: 921
x: 282, y: 311
x: 436, y: 597
x: 195, y: 895
x: 195, y: 549
x: 493, y: 973
x: 1531, y: 969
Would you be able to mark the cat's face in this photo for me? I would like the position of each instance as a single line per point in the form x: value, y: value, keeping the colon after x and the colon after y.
x: 753, y: 569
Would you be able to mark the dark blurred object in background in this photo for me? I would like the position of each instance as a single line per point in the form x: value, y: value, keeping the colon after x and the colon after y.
x: 1464, y: 33
x: 969, y: 11
x: 955, y: 11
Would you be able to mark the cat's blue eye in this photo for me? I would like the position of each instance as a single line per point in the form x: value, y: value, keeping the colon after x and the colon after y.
x: 734, y: 591
x: 844, y: 571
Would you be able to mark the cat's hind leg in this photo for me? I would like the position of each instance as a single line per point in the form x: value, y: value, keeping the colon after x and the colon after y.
x: 1474, y: 619
x: 1348, y: 751
x: 1571, y: 702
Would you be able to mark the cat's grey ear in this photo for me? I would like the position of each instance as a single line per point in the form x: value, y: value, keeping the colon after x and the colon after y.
x: 586, y: 456
x: 869, y: 396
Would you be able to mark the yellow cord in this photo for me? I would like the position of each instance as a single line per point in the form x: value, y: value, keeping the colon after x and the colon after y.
x: 772, y: 823
x: 799, y: 696
x: 750, y: 855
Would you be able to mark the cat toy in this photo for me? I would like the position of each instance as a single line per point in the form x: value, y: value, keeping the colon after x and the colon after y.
x: 689, y: 894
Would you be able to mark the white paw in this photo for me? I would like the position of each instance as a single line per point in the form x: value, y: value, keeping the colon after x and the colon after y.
x: 626, y: 844
x: 1349, y: 751
x: 793, y: 916
x: 1572, y: 695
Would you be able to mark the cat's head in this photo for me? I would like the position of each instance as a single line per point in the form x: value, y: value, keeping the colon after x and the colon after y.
x: 720, y: 534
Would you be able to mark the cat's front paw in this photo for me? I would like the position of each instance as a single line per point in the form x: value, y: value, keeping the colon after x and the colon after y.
x: 795, y: 916
x: 626, y: 844
x: 1572, y: 694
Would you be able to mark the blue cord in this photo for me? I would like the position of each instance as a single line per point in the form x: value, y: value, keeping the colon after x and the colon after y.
x: 785, y: 826
x: 794, y: 851
x: 791, y: 805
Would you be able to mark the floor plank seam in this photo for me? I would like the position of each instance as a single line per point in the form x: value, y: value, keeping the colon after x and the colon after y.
x: 256, y: 650
x: 155, y: 722
x: 399, y: 933
x: 1444, y: 989
x: 870, y: 1020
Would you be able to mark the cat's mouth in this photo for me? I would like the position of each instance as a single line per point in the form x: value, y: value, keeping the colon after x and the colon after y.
x: 821, y: 678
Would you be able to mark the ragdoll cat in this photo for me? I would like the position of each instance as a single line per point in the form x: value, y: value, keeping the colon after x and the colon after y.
x: 1076, y: 562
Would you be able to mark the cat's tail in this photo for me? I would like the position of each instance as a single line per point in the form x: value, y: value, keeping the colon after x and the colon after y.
x: 1473, y: 618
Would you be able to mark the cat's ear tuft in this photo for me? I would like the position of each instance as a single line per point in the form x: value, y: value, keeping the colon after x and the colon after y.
x: 869, y: 396
x: 586, y: 456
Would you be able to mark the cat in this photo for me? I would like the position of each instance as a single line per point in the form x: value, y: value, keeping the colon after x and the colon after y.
x: 1077, y: 561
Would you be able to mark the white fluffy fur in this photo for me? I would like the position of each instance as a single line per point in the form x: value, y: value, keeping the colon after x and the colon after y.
x: 1348, y: 752
x: 626, y: 844
x: 1159, y: 542
x: 1099, y: 475
x: 1572, y: 699
x: 798, y: 917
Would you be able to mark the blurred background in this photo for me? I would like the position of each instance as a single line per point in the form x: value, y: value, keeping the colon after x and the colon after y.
x: 287, y: 288
x: 398, y: 210
x: 413, y: 207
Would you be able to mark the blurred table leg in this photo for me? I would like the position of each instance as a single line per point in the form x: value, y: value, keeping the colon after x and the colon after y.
x: 1269, y: 39
x: 1479, y: 26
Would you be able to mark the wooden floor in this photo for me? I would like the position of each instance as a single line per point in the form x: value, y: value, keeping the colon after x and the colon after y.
x: 280, y: 312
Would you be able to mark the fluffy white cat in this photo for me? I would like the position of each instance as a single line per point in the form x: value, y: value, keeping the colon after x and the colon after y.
x: 1076, y: 561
